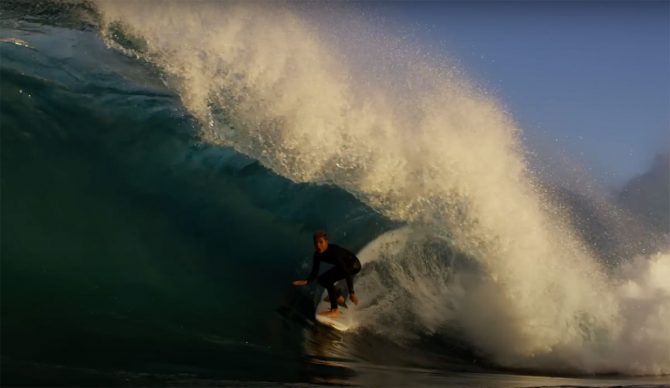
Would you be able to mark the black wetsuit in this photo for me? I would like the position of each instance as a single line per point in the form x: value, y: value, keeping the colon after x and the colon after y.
x: 346, y: 266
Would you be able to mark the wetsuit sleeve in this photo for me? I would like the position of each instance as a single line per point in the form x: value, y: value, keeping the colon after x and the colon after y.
x: 350, y: 282
x: 315, y: 269
x: 346, y: 269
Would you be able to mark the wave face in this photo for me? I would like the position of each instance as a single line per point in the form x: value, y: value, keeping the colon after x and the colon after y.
x: 132, y: 250
x: 164, y: 165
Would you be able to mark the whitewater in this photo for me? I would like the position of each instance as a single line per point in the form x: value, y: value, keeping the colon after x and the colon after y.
x: 484, y: 252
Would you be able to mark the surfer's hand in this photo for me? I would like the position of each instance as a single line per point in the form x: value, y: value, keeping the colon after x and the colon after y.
x: 299, y: 282
x: 353, y: 298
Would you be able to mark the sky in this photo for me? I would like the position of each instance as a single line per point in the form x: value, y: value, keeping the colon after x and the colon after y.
x: 587, y: 80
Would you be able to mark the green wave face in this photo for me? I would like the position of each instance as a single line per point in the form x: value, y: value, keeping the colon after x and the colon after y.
x: 129, y: 244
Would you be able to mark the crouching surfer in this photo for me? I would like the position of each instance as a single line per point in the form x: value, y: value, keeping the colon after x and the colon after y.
x: 346, y: 266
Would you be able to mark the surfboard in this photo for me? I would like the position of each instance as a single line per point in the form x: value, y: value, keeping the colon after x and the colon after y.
x: 342, y: 323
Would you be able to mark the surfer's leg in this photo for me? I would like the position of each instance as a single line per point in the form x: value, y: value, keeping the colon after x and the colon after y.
x: 356, y: 268
x: 327, y: 280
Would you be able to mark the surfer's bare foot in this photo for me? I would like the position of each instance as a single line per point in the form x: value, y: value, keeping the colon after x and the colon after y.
x: 333, y: 313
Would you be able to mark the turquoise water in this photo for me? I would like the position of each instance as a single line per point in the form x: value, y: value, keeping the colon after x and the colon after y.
x: 126, y: 242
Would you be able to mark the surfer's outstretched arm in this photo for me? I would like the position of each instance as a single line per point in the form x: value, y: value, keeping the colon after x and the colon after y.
x: 315, y: 271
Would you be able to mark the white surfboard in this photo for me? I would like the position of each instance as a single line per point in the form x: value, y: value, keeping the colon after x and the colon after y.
x: 343, y: 322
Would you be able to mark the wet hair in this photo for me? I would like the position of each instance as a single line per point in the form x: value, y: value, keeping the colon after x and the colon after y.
x: 319, y: 234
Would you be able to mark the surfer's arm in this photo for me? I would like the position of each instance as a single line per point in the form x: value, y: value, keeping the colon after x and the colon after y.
x: 348, y: 277
x: 350, y: 283
x: 315, y: 269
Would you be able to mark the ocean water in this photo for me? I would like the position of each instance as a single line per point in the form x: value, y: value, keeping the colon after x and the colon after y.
x: 164, y: 165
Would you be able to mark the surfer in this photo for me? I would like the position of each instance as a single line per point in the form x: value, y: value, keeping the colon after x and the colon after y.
x: 346, y: 266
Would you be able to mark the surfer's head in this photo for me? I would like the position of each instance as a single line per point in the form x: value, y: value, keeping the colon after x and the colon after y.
x: 320, y: 241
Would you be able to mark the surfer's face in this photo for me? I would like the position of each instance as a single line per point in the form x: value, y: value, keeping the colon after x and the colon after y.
x: 321, y: 244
